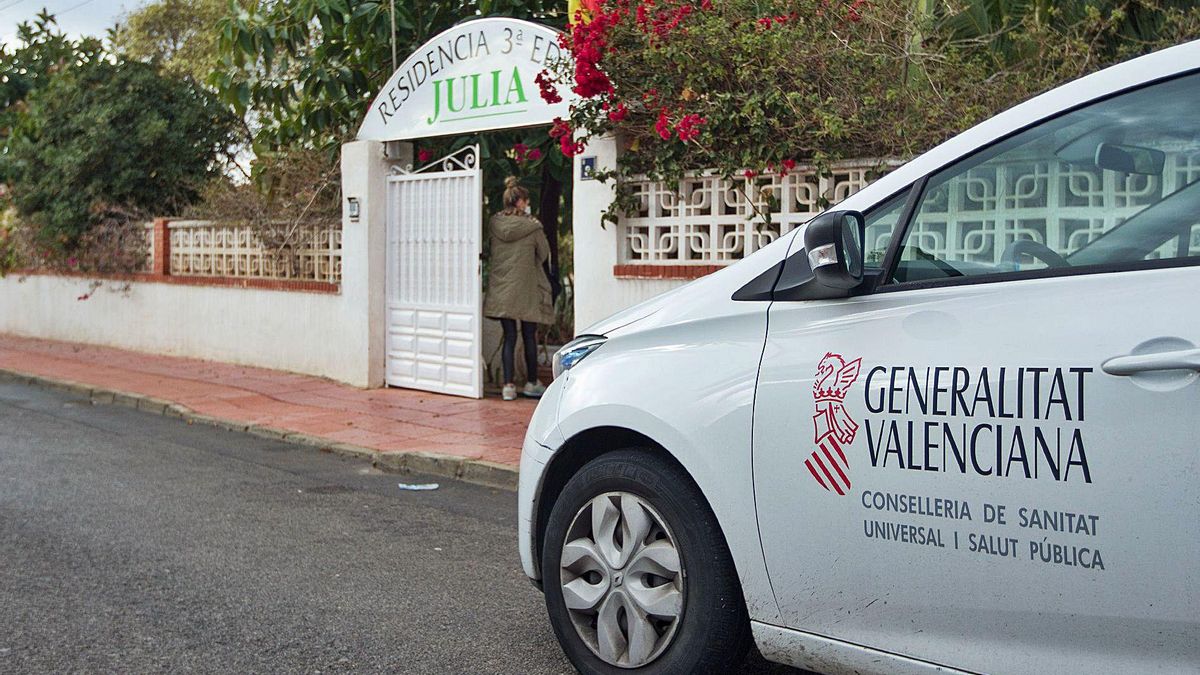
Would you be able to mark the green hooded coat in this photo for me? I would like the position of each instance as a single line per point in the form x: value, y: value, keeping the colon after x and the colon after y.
x: 517, y: 286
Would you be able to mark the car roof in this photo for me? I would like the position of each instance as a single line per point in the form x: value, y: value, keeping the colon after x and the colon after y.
x: 1130, y: 74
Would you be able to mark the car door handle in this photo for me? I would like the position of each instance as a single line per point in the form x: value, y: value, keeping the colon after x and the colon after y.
x: 1184, y: 359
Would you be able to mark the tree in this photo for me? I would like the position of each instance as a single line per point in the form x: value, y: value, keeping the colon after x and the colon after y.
x: 111, y: 135
x: 178, y: 35
x: 41, y: 52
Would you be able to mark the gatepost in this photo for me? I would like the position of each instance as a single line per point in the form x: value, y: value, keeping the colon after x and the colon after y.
x: 365, y: 166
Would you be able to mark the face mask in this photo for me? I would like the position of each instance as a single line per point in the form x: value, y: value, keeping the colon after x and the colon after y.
x: 528, y: 211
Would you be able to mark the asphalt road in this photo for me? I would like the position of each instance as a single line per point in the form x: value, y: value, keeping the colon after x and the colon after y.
x: 132, y: 542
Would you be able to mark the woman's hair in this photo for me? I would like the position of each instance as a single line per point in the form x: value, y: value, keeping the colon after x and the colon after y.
x: 513, y: 193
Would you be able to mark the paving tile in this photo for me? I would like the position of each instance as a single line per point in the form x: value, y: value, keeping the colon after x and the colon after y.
x: 395, y: 428
x: 503, y: 455
x: 322, y: 429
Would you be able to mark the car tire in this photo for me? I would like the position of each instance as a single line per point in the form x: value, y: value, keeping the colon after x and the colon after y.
x: 711, y: 631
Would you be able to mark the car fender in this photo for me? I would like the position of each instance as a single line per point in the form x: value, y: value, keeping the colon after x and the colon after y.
x: 637, y: 381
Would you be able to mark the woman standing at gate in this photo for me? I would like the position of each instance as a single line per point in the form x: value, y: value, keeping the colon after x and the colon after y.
x: 518, y: 289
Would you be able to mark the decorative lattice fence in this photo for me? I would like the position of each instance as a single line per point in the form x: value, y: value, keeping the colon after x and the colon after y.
x: 705, y: 219
x: 209, y: 249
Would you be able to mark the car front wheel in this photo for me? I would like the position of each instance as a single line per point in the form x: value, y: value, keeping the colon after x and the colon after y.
x: 637, y: 574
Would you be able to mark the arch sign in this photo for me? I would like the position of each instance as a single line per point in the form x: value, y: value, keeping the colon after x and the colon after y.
x: 476, y: 76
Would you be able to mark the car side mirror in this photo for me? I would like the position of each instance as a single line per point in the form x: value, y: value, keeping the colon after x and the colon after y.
x: 834, y: 243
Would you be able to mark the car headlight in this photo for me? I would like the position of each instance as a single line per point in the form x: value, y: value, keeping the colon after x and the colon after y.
x: 574, y: 351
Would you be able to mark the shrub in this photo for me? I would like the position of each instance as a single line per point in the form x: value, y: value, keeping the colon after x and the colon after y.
x: 107, y: 136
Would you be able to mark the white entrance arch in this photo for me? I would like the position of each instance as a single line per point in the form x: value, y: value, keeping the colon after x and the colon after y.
x: 476, y: 76
x: 479, y: 75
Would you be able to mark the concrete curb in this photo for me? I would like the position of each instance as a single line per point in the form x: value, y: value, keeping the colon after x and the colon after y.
x: 477, y: 471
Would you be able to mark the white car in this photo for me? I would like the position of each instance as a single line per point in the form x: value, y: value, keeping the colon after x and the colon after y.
x: 953, y: 425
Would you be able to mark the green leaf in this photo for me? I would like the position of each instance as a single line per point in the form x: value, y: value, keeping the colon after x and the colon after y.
x: 246, y: 42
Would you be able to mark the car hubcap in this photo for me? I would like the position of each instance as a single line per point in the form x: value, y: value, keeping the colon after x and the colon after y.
x: 622, y: 579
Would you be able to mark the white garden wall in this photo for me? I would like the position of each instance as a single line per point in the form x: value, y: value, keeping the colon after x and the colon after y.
x: 274, y: 329
x: 337, y: 335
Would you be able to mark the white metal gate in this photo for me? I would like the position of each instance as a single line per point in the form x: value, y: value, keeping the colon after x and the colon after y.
x: 434, y: 242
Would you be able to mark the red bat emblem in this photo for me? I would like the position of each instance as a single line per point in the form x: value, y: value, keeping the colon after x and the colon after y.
x: 832, y: 426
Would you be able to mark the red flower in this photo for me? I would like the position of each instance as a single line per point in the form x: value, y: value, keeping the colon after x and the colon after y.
x: 569, y: 147
x: 546, y: 88
x: 689, y: 127
x: 523, y: 153
x: 765, y: 22
x: 706, y: 4
x: 589, y: 42
x: 590, y: 81
x: 618, y: 113
x: 663, y: 21
x: 660, y: 22
x: 680, y: 14
x: 789, y: 164
x: 424, y: 155
x: 566, y: 141
x: 853, y: 14
x: 663, y: 125
x: 749, y: 174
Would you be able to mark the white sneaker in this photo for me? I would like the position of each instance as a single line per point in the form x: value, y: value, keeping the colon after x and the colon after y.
x: 509, y: 393
x: 533, y: 390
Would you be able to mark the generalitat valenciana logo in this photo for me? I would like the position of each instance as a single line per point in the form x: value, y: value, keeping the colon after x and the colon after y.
x: 833, y: 427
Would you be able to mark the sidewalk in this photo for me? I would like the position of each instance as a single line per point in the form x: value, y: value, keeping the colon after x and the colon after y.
x: 396, y: 428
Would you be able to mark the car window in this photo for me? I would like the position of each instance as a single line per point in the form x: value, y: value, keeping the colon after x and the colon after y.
x: 880, y: 226
x: 1113, y: 184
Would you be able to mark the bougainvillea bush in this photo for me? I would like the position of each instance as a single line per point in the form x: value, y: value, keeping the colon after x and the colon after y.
x: 746, y: 87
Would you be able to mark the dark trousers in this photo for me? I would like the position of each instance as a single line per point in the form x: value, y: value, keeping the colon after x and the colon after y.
x: 528, y: 343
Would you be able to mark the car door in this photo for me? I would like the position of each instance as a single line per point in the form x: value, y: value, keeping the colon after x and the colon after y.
x: 988, y: 460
